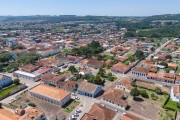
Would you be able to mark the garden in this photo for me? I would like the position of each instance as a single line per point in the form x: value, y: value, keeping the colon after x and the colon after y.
x: 71, y: 106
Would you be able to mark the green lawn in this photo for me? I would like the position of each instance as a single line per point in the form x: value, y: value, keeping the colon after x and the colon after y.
x: 172, y: 105
x: 71, y: 106
x: 108, y: 57
x: 167, y: 115
x: 161, y: 98
x: 7, y: 90
x: 178, y: 70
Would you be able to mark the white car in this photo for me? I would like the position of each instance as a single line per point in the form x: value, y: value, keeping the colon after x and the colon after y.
x: 79, y: 111
x: 77, y: 98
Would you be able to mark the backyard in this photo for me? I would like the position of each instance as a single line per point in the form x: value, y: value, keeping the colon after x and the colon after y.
x: 8, y: 90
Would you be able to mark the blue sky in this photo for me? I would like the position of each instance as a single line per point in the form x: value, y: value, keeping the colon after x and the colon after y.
x: 89, y: 7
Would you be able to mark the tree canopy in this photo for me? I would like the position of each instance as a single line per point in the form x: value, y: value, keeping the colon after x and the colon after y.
x: 90, y: 50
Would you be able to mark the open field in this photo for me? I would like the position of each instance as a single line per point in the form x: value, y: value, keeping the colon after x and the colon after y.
x: 172, y: 105
x: 160, y: 98
x: 7, y: 90
x: 167, y: 115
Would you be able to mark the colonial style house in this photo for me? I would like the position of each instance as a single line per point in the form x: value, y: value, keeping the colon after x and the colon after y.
x: 127, y: 116
x: 95, y: 64
x: 124, y: 84
x: 115, y: 97
x: 5, y: 80
x: 50, y: 62
x: 165, y: 77
x: 50, y: 94
x: 89, y: 89
x: 120, y: 68
x: 140, y: 72
x: 52, y: 79
x: 99, y: 112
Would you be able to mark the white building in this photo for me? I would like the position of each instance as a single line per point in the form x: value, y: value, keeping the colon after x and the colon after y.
x: 5, y: 80
x: 51, y: 94
x: 26, y: 75
x: 175, y: 93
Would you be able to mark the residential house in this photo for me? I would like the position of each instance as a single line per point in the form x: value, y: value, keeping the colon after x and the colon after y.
x: 116, y: 97
x: 7, y: 115
x: 52, y: 79
x: 5, y: 80
x: 166, y: 77
x: 49, y: 51
x: 120, y: 68
x: 62, y: 58
x: 99, y: 112
x: 85, y: 72
x: 127, y: 116
x: 50, y: 62
x: 89, y: 89
x: 140, y: 72
x: 74, y: 59
x: 95, y: 64
x: 68, y: 85
x: 50, y: 94
x: 124, y: 84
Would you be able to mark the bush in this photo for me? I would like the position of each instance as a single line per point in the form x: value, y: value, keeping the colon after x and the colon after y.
x: 16, y: 81
x: 178, y: 104
x: 135, y: 92
x: 32, y: 104
x: 133, y: 84
x: 144, y: 94
x: 164, y: 64
x: 158, y: 90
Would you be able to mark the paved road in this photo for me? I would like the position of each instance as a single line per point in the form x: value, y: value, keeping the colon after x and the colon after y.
x: 158, y: 49
x: 85, y: 105
x: 29, y: 83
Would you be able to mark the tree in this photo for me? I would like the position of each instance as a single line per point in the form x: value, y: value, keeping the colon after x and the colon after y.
x: 111, y: 77
x: 28, y: 58
x: 16, y: 81
x: 164, y: 64
x: 158, y: 44
x: 152, y: 49
x: 101, y: 72
x: 135, y: 92
x: 168, y: 57
x: 12, y: 67
x: 144, y: 94
x: 99, y: 80
x: 139, y: 54
x: 131, y: 59
x: 158, y: 90
x: 72, y: 69
x: 166, y: 70
x: 133, y: 83
x: 5, y: 57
